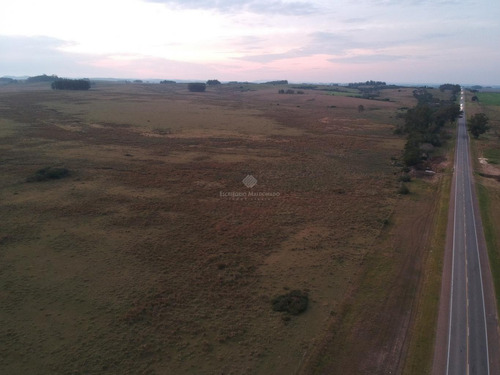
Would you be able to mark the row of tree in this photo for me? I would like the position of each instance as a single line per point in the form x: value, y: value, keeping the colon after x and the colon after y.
x: 455, y: 89
x: 367, y: 83
x: 279, y: 82
x: 201, y: 87
x: 424, y: 125
x: 70, y: 84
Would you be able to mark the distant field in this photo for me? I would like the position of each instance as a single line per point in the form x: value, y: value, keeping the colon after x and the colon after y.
x: 489, y: 98
x: 139, y: 261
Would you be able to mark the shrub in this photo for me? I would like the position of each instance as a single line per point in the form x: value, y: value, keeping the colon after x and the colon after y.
x: 405, y: 178
x: 48, y: 173
x: 403, y: 189
x: 294, y: 302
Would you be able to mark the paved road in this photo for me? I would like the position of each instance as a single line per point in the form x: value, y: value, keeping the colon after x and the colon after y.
x: 467, y: 331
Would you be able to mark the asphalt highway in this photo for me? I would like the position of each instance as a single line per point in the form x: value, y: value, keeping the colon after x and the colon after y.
x: 467, y: 347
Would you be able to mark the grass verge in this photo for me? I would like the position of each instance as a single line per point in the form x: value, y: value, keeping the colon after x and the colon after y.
x: 490, y: 235
x: 421, y: 347
x: 493, y: 155
x: 423, y: 336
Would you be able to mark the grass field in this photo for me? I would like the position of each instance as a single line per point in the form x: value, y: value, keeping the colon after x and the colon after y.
x: 489, y: 98
x: 140, y: 262
x: 493, y: 155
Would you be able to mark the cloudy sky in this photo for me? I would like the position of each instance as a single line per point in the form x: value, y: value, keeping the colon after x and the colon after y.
x: 404, y: 41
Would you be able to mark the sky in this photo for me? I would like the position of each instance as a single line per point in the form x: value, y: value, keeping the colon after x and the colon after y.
x: 396, y: 41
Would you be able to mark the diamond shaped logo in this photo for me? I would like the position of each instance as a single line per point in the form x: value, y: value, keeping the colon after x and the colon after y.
x: 249, y: 181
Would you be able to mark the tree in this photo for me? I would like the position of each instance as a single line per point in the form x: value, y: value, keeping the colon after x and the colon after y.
x: 455, y: 89
x: 197, y: 87
x: 412, y: 154
x: 419, y: 119
x: 213, y: 82
x: 70, y: 84
x: 447, y: 113
x: 478, y: 124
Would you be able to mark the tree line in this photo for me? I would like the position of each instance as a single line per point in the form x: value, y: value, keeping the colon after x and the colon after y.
x: 455, y: 89
x: 367, y: 83
x: 70, y: 84
x: 424, y: 124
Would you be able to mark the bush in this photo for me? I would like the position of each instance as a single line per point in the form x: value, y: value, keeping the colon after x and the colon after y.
x: 403, y: 189
x: 48, y: 173
x: 293, y: 303
x: 197, y: 87
x: 405, y: 178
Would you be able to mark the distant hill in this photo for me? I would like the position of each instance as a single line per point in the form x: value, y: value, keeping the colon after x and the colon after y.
x: 7, y: 80
x: 42, y: 78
